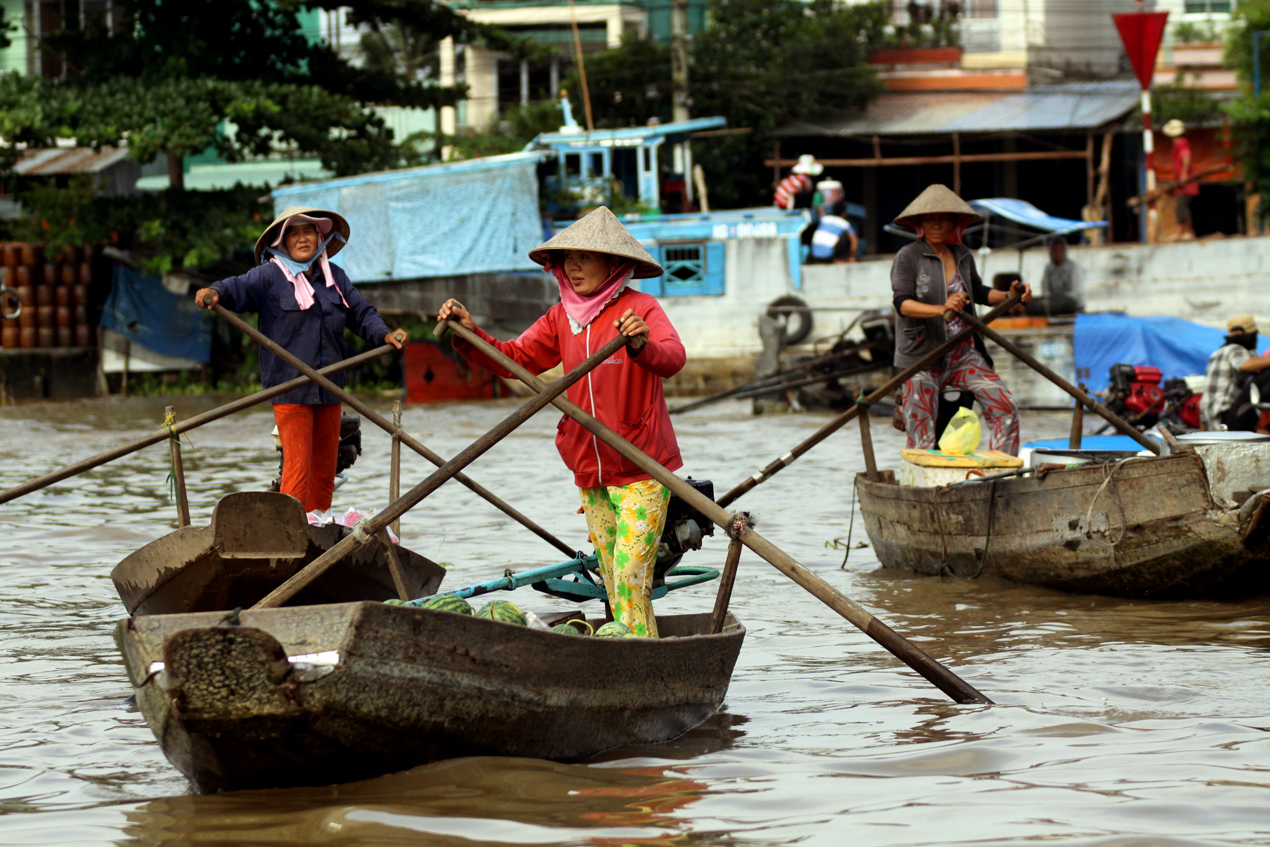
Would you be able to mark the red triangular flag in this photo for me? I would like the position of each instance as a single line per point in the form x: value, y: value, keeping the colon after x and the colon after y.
x: 1141, y: 33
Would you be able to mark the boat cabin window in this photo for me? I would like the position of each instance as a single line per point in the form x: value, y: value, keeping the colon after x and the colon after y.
x: 573, y: 164
x: 597, y: 164
x: 694, y: 268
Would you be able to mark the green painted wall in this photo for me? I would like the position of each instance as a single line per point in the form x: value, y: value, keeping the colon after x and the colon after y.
x: 13, y: 57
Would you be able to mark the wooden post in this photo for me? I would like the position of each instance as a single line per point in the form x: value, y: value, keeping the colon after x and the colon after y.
x: 956, y: 163
x: 866, y: 445
x: 178, y: 469
x: 380, y: 421
x: 394, y: 467
x: 724, y: 597
x: 394, y: 567
x: 368, y: 528
x: 184, y: 426
x: 776, y: 163
x: 903, y: 649
x: 1078, y: 424
x: 1089, y: 169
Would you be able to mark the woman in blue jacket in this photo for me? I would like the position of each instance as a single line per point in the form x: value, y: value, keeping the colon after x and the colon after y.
x: 305, y: 303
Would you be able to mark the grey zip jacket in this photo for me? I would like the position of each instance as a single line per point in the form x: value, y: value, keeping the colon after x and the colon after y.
x: 918, y: 274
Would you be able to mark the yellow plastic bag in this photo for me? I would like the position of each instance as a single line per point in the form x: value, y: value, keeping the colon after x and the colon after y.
x: 962, y: 435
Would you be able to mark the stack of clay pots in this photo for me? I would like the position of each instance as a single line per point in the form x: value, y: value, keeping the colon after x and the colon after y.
x: 54, y: 294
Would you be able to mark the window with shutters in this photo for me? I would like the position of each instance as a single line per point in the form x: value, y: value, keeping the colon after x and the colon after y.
x: 693, y: 268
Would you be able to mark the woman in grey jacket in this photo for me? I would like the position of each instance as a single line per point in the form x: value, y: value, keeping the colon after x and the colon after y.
x: 931, y: 277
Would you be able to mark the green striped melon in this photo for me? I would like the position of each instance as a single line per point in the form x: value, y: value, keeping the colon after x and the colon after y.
x: 615, y: 629
x: 503, y: 610
x: 565, y: 629
x: 447, y: 603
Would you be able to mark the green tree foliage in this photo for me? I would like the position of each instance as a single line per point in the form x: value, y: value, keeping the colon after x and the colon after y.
x: 1250, y: 114
x: 760, y: 64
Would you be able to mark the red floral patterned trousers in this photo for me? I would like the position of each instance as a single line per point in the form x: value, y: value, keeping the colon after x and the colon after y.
x: 963, y: 368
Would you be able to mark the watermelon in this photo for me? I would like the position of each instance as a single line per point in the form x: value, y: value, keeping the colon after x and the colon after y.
x: 394, y: 602
x: 572, y: 628
x: 565, y: 629
x: 447, y: 603
x: 615, y: 629
x: 502, y: 610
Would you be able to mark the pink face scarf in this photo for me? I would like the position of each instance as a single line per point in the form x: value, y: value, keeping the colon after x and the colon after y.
x: 582, y: 310
x: 294, y: 270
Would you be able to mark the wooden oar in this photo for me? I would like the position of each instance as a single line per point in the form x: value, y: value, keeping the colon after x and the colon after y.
x: 944, y: 679
x: 384, y: 424
x: 184, y: 426
x: 1089, y: 402
x: 846, y: 417
x: 366, y: 529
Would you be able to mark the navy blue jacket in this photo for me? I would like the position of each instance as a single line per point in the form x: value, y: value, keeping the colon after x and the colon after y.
x: 314, y: 335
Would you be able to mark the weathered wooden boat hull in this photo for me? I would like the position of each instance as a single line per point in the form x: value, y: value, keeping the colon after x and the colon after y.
x: 257, y: 541
x: 381, y: 688
x: 1142, y: 528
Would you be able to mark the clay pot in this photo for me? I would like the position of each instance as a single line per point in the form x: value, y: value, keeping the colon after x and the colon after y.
x: 62, y: 296
x: 85, y: 273
x: 46, y: 337
x: 31, y: 254
x: 84, y: 335
x: 44, y: 295
x: 80, y: 314
x: 8, y: 278
x: 10, y: 337
x: 25, y: 277
x: 27, y: 337
x: 79, y: 295
x: 47, y: 317
x: 70, y: 274
x: 50, y: 274
x: 27, y: 320
x: 65, y: 316
x: 65, y: 337
x: 9, y: 254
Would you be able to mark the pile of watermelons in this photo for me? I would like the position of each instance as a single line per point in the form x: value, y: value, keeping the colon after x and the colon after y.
x: 507, y: 612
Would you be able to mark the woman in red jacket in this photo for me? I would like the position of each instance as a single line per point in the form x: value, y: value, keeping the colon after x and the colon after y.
x: 594, y: 261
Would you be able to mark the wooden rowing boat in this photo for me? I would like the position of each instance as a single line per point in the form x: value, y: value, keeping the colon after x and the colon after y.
x: 1189, y: 524
x: 255, y: 542
x: 324, y: 694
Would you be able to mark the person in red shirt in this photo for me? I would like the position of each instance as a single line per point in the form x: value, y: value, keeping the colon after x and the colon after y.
x: 593, y: 261
x: 1183, y: 169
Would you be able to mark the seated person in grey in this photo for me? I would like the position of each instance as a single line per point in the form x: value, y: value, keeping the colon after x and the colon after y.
x: 1226, y: 402
x: 1062, y: 289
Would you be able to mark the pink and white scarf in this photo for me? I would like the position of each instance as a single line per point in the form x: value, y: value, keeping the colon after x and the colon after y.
x: 583, y: 310
x: 295, y: 271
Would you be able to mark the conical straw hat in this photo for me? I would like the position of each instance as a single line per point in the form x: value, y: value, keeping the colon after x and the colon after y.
x: 337, y: 222
x: 600, y: 232
x: 937, y: 199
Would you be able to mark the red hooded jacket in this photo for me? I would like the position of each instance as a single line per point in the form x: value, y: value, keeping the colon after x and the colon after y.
x: 624, y: 392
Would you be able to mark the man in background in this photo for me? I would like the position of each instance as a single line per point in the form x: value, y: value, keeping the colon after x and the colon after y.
x: 1183, y: 169
x: 797, y: 190
x: 1230, y: 373
x: 1062, y: 288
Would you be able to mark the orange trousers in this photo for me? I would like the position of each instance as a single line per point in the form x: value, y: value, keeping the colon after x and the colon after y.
x: 310, y: 449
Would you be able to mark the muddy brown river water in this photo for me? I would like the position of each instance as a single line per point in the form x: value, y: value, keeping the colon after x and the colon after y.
x: 1117, y: 722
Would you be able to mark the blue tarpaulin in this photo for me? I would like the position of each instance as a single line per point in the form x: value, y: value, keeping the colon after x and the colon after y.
x: 1175, y: 346
x: 477, y: 216
x: 140, y: 309
x: 1023, y: 212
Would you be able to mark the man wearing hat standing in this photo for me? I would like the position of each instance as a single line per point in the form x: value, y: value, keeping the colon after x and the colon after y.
x: 1227, y: 378
x: 833, y: 238
x: 933, y: 280
x: 593, y: 262
x: 1183, y: 170
x: 796, y: 190
x: 305, y: 303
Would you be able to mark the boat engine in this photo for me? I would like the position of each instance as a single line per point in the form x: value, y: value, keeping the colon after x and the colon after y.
x: 685, y: 528
x: 1183, y: 403
x: 350, y: 448
x: 1134, y: 393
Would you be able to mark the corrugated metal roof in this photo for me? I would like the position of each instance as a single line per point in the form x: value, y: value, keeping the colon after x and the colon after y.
x: 69, y: 160
x: 1040, y: 108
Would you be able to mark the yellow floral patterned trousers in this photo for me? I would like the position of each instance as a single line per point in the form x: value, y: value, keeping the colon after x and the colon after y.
x: 625, y: 522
